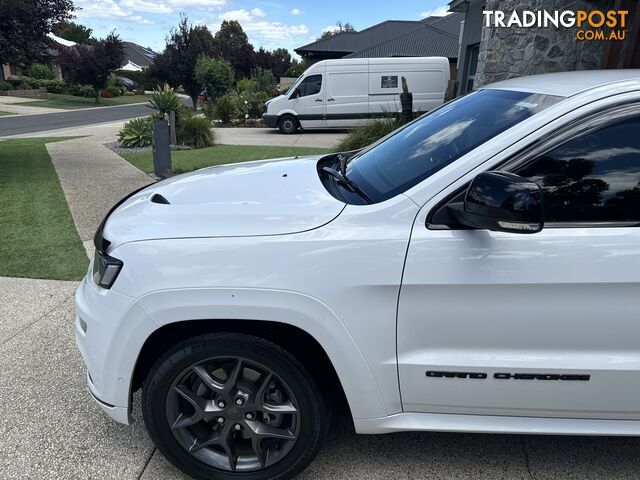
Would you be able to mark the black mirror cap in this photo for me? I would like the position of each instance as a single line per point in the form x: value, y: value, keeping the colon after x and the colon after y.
x: 502, y: 202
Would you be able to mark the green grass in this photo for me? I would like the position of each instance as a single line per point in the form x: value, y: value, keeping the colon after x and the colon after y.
x: 38, y: 238
x: 188, y: 160
x: 2, y: 114
x: 70, y: 102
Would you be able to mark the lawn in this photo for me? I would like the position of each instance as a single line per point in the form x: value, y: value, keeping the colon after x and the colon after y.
x: 2, y: 114
x: 38, y: 238
x: 70, y: 102
x: 188, y: 160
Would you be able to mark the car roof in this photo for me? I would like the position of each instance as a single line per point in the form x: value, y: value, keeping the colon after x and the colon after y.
x: 567, y: 84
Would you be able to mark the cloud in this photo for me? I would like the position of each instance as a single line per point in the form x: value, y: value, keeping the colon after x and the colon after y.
x: 242, y: 15
x: 203, y: 4
x: 147, y: 6
x: 440, y: 11
x: 296, y: 12
x: 330, y: 28
x: 100, y: 9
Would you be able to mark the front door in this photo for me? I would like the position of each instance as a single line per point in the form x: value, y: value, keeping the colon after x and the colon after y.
x: 544, y: 325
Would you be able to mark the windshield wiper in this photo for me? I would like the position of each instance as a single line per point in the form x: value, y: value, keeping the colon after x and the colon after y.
x: 350, y: 184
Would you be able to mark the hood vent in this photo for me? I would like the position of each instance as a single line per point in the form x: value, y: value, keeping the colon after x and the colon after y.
x: 157, y: 198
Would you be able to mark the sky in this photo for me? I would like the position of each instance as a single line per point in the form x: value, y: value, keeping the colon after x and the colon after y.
x: 270, y: 24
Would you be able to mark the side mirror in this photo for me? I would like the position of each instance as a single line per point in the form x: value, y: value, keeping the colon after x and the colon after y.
x: 296, y: 93
x: 502, y: 202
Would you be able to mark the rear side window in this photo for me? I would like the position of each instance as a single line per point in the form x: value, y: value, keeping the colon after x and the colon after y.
x: 310, y: 85
x: 594, y: 177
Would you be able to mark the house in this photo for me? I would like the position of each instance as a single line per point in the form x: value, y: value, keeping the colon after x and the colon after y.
x: 138, y: 58
x: 489, y: 54
x: 429, y: 37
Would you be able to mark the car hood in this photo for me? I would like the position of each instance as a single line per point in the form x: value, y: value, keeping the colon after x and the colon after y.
x: 271, y: 197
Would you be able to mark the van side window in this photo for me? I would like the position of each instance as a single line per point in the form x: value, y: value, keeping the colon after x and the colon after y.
x: 310, y: 85
x: 594, y: 177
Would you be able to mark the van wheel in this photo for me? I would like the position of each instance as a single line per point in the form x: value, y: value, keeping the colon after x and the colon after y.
x: 288, y: 124
x: 229, y: 406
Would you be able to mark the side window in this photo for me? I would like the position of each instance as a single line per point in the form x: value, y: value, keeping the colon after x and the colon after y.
x: 594, y: 177
x: 310, y: 85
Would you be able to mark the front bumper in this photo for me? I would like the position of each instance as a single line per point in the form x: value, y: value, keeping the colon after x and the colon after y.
x: 110, y: 332
x: 270, y: 121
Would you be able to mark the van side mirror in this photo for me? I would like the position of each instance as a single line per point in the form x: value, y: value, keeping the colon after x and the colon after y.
x: 295, y: 94
x: 502, y: 202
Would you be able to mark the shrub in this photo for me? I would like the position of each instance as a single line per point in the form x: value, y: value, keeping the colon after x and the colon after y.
x: 40, y: 71
x: 52, y: 86
x: 136, y: 133
x: 194, y: 131
x: 164, y: 100
x: 114, y: 90
x: 216, y: 75
x: 78, y: 90
x: 372, y: 131
x: 247, y: 85
x: 265, y: 80
x: 104, y: 93
x: 225, y: 108
x: 4, y: 86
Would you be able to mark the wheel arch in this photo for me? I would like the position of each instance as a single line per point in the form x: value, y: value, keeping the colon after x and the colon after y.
x: 300, y: 324
x: 293, y: 339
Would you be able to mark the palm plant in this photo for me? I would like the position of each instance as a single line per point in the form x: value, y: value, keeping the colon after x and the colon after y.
x: 164, y: 100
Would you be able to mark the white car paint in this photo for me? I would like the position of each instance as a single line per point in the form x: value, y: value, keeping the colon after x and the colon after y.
x: 360, y: 278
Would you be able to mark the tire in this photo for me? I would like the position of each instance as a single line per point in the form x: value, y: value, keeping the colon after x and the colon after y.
x: 288, y: 124
x: 283, y: 385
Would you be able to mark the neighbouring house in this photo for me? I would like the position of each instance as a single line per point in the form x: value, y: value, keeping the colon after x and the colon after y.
x: 430, y: 37
x: 490, y: 54
x: 138, y: 58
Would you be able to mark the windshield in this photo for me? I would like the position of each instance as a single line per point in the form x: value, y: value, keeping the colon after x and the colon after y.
x: 428, y: 144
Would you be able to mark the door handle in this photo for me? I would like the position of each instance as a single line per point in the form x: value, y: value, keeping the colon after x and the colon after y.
x: 318, y: 99
x: 331, y: 99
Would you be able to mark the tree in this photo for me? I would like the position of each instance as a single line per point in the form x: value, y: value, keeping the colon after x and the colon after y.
x: 296, y: 68
x: 177, y: 64
x: 232, y: 44
x: 265, y: 81
x: 24, y: 25
x: 216, y: 75
x: 93, y: 64
x: 339, y: 28
x: 74, y: 32
x: 278, y: 61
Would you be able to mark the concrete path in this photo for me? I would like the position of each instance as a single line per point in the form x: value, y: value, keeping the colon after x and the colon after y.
x: 270, y: 136
x: 93, y: 178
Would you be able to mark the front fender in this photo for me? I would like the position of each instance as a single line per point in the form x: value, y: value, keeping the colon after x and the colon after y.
x: 292, y: 308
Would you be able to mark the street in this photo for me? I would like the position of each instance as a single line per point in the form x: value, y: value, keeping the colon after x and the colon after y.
x: 20, y: 124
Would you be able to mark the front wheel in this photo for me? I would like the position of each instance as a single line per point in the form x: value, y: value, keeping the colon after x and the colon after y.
x: 288, y: 124
x: 228, y: 406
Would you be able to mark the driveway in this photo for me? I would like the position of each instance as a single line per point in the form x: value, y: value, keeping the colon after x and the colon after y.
x: 272, y: 137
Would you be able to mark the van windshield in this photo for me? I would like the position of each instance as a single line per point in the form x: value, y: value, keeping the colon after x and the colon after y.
x: 419, y: 149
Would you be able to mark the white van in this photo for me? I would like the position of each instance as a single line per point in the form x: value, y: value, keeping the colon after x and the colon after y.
x: 345, y: 93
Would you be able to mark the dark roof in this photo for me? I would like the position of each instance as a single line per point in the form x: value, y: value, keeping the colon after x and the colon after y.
x: 449, y: 23
x: 425, y: 41
x: 349, y: 42
x: 430, y: 37
x: 139, y: 55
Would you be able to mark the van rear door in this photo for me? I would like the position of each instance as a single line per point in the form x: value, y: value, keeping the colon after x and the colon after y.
x: 427, y: 80
x: 347, y: 93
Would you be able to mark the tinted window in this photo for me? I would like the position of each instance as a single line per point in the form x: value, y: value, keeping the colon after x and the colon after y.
x: 310, y: 85
x: 421, y: 148
x: 594, y: 177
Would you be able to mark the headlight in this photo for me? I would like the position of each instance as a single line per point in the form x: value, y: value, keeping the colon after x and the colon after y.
x: 105, y: 269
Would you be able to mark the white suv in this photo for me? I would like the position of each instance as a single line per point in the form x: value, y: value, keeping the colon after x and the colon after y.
x: 477, y: 270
